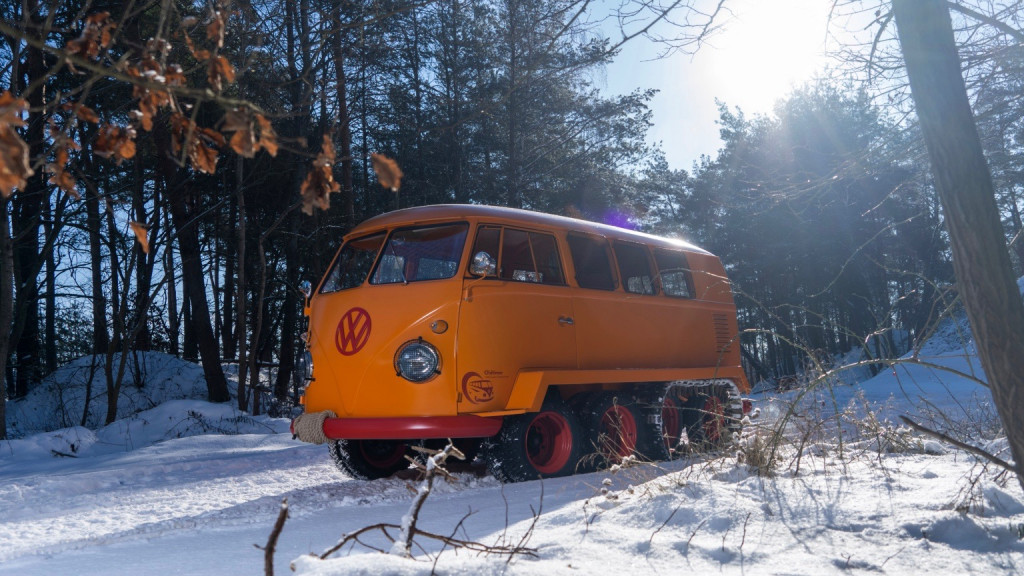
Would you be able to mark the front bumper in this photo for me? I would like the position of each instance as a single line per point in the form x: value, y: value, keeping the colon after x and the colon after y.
x: 409, y: 428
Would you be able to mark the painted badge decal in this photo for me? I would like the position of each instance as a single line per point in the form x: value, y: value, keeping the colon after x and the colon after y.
x: 476, y: 389
x: 353, y: 331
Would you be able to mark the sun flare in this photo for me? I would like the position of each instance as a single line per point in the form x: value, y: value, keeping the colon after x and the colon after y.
x: 765, y: 51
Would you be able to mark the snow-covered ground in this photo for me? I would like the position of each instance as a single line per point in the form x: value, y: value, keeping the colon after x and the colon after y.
x: 186, y: 487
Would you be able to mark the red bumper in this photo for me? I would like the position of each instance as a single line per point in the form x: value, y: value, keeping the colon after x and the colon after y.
x: 411, y: 428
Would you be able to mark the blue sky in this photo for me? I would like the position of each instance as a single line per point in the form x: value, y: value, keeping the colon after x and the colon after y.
x: 765, y: 48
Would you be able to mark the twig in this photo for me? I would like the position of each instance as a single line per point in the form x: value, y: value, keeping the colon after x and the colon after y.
x: 743, y: 540
x: 663, y: 524
x: 694, y: 533
x: 964, y: 446
x: 268, y: 550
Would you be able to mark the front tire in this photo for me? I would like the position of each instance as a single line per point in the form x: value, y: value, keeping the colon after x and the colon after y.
x: 369, y: 459
x: 543, y: 444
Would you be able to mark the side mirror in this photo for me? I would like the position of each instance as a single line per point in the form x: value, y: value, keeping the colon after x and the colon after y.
x: 483, y: 264
x: 306, y: 288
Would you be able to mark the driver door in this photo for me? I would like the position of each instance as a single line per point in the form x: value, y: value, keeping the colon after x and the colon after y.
x: 519, y: 315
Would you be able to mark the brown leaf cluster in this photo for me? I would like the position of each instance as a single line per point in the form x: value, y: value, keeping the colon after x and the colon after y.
x: 115, y: 142
x: 320, y: 183
x: 151, y: 100
x: 96, y: 36
x: 14, y: 164
x: 85, y: 114
x: 387, y: 170
x: 218, y: 70
x: 253, y: 132
x: 201, y: 145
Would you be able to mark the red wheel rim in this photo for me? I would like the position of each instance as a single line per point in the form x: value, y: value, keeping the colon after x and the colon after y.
x: 671, y: 423
x: 618, y: 427
x: 714, y: 419
x: 548, y: 442
x: 382, y: 454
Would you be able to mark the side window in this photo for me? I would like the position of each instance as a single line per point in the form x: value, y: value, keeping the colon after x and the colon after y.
x: 634, y: 268
x: 590, y: 258
x: 516, y: 258
x: 524, y: 256
x: 674, y: 273
x: 488, y: 238
x: 353, y: 264
x: 545, y: 255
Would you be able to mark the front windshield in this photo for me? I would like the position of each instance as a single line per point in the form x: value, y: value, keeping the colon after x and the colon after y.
x: 353, y: 264
x: 425, y: 253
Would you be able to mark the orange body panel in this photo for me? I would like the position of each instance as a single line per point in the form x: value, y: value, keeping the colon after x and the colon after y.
x: 505, y: 339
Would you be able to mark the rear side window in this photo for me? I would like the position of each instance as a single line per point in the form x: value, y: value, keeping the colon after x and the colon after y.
x: 590, y: 258
x: 524, y: 256
x: 417, y: 254
x: 353, y: 264
x: 634, y: 268
x: 674, y: 273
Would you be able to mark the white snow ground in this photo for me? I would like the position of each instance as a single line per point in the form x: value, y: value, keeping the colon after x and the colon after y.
x: 187, y: 487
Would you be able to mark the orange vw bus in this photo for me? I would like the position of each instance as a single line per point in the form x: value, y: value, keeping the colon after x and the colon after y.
x: 553, y: 344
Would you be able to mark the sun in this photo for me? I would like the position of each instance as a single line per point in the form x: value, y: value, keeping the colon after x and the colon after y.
x: 764, y: 51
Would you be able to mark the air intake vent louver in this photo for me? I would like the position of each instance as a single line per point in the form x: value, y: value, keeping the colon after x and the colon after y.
x: 723, y: 337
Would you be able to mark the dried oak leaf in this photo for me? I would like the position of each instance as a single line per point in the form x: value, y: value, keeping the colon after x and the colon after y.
x: 85, y: 114
x: 59, y: 175
x: 319, y: 183
x: 14, y: 163
x: 115, y: 142
x: 252, y: 131
x: 268, y: 137
x: 215, y: 29
x: 202, y: 145
x: 141, y: 231
x: 14, y: 166
x: 219, y: 71
x: 387, y: 170
x: 12, y: 109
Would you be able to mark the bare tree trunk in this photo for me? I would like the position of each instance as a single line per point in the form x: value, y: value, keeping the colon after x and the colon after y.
x: 981, y: 260
x: 144, y: 262
x: 50, y: 296
x: 6, y: 308
x: 25, y: 218
x: 227, y: 334
x: 173, y: 323
x: 195, y: 289
x: 191, y: 269
x: 241, y: 306
x: 344, y: 120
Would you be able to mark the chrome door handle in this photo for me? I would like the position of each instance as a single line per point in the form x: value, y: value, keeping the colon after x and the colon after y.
x: 565, y: 320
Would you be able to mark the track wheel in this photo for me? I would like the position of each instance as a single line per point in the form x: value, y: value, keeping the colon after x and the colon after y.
x: 535, y: 445
x: 708, y: 430
x: 369, y: 459
x: 671, y: 423
x: 619, y: 426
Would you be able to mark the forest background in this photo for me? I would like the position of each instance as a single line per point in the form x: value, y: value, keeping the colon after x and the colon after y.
x: 186, y: 165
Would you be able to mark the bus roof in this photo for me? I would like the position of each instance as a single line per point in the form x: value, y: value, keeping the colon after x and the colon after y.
x: 442, y: 212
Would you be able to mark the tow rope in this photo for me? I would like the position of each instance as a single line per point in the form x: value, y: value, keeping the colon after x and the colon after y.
x: 310, y: 427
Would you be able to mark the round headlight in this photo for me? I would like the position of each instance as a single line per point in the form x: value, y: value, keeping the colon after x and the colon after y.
x: 417, y: 361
